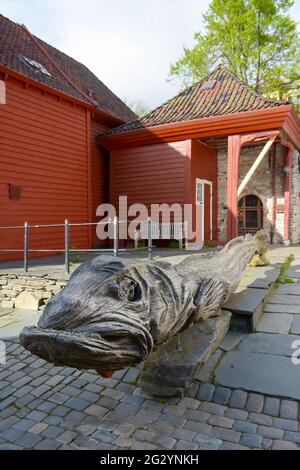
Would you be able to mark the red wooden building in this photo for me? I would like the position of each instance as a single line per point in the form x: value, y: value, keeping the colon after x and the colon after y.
x: 51, y: 168
x: 242, y: 146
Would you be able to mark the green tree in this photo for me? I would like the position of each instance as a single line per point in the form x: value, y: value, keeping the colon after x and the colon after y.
x: 138, y: 107
x: 255, y: 39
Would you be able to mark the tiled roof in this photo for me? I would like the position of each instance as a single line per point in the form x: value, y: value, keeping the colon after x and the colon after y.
x: 76, y: 80
x: 221, y: 92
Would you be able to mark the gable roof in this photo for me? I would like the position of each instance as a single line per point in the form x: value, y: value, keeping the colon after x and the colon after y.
x: 67, y: 75
x: 219, y: 93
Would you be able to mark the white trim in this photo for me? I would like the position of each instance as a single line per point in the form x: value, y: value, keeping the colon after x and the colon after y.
x: 209, y: 183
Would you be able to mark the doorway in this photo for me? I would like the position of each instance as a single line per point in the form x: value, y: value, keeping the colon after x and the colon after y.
x: 204, y: 198
x: 250, y: 215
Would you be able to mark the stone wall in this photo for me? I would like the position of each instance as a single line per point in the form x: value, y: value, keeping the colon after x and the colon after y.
x: 39, y: 290
x: 295, y: 201
x: 261, y: 186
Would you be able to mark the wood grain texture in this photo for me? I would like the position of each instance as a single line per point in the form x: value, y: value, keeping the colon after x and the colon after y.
x: 114, y: 312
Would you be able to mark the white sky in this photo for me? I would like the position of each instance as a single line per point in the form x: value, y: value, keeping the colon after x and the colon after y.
x: 128, y: 44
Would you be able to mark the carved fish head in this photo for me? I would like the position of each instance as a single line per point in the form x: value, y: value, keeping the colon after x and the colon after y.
x: 107, y: 316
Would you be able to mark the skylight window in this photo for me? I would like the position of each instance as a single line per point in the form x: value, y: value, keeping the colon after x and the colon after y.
x: 36, y: 65
x: 208, y: 85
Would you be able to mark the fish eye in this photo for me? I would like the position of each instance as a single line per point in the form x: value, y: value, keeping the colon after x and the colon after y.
x: 129, y: 290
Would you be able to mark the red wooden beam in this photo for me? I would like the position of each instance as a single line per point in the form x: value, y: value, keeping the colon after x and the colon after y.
x: 234, y: 148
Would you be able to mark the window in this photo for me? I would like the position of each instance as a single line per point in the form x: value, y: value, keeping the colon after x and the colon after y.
x: 36, y: 65
x: 199, y: 192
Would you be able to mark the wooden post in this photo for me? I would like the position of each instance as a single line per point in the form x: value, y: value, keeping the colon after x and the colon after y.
x: 234, y: 147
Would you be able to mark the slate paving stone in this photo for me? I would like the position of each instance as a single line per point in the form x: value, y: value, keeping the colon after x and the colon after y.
x: 28, y: 440
x: 296, y: 326
x: 284, y: 445
x: 205, y: 392
x: 287, y: 424
x: 245, y: 427
x: 289, y: 289
x: 47, y: 444
x: 238, y: 399
x: 272, y: 433
x: 231, y: 340
x: 198, y: 427
x: 272, y: 406
x: 284, y: 299
x: 268, y: 343
x: 185, y: 445
x: 222, y: 395
x: 264, y: 373
x: 255, y: 402
x: 226, y: 434
x: 77, y: 404
x: 289, y: 409
x: 275, y: 323
x: 207, y: 442
x: 251, y: 440
x: 292, y: 436
x: 280, y: 308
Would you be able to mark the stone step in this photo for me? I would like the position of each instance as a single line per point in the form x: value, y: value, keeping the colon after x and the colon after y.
x: 246, y: 307
x: 262, y: 373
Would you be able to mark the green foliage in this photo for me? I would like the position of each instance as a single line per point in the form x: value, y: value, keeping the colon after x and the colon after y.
x: 132, y: 382
x: 138, y: 107
x: 162, y: 401
x: 74, y: 258
x: 255, y: 39
x: 208, y: 244
x: 282, y: 276
x: 174, y: 244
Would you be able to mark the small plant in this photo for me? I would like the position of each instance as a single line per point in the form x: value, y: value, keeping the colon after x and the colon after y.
x: 162, y: 401
x: 283, y: 278
x: 132, y: 382
x: 73, y: 258
x: 141, y: 244
x: 174, y: 244
x: 209, y: 244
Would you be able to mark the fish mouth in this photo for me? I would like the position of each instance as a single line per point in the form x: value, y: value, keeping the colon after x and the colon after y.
x: 80, y: 350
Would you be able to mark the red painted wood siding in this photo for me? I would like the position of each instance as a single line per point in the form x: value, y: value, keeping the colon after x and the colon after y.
x: 152, y: 174
x: 204, y: 166
x: 43, y: 149
x: 99, y: 175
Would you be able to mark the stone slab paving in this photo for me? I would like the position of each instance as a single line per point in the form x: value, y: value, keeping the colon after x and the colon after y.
x: 264, y: 373
x: 45, y: 407
x: 266, y: 343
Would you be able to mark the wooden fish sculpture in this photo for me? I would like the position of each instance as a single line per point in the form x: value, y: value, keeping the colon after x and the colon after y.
x: 114, y: 312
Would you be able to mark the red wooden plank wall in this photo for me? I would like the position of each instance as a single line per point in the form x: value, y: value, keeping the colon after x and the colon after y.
x: 43, y: 149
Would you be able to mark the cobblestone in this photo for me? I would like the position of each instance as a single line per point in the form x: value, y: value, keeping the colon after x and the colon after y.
x: 64, y: 409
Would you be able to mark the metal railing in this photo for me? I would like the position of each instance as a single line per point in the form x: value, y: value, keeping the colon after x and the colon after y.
x: 67, y: 249
x: 149, y: 230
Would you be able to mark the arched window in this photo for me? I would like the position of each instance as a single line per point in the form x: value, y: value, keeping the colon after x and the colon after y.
x: 251, y: 214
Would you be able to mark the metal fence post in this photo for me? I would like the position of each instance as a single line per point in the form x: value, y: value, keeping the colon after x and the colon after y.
x: 67, y: 246
x: 116, y: 236
x: 26, y: 247
x: 149, y: 230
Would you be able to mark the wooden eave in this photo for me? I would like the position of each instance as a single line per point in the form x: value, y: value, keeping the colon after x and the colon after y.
x: 276, y: 118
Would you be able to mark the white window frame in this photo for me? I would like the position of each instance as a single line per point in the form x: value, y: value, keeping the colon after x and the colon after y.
x: 203, y: 182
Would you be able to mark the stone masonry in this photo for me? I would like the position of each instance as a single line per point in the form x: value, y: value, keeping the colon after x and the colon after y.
x: 261, y: 186
x: 42, y: 288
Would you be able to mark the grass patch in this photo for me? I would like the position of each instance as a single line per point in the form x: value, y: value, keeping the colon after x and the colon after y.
x: 283, y: 278
x: 132, y: 382
x: 209, y: 244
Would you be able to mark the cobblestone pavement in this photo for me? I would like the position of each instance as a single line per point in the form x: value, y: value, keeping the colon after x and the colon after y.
x: 44, y: 407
